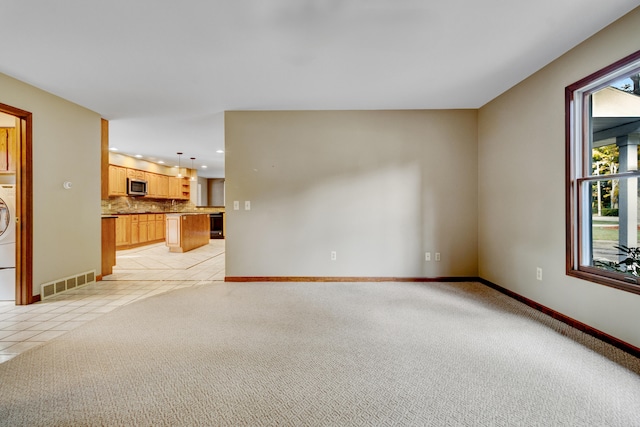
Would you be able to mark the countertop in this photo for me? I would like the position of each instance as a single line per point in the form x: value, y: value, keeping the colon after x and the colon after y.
x: 154, y: 212
x: 188, y: 213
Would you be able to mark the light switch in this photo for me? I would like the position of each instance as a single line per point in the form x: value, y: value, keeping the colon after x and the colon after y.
x: 236, y: 205
x: 247, y: 205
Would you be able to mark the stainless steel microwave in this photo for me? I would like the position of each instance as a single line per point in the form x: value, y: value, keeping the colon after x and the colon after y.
x: 136, y: 187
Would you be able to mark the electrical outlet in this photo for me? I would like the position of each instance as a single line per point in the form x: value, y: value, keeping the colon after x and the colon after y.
x: 334, y: 255
x: 538, y: 273
x: 437, y: 256
x: 427, y: 256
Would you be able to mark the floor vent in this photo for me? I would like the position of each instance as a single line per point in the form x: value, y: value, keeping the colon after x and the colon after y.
x: 55, y: 287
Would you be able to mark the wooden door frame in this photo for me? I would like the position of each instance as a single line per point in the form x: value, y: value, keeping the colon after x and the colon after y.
x: 24, y: 206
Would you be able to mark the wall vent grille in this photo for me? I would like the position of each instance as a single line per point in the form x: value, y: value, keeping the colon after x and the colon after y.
x: 55, y: 287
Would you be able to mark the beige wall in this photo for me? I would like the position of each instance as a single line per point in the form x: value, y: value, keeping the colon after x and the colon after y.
x: 216, y: 191
x: 521, y: 189
x: 66, y: 147
x: 378, y: 187
x: 204, y: 196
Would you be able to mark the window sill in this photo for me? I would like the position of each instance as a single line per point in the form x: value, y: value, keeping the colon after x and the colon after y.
x: 608, y: 279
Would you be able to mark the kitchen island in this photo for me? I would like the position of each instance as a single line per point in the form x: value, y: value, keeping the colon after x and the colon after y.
x: 187, y: 231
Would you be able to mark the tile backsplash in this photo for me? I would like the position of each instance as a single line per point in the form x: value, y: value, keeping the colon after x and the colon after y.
x: 132, y: 205
x: 117, y: 205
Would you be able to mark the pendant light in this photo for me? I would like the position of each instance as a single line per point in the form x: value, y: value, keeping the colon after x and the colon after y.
x: 193, y: 176
x: 179, y: 174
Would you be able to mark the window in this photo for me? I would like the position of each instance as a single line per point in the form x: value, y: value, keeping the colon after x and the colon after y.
x: 603, y: 206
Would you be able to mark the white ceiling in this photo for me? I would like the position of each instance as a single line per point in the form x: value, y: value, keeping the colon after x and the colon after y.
x: 163, y: 72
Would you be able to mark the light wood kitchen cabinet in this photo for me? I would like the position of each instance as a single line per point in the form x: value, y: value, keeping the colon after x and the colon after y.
x: 151, y: 227
x: 163, y: 186
x: 175, y: 188
x: 159, y: 186
x: 152, y: 184
x: 7, y: 149
x: 143, y: 229
x: 123, y: 230
x: 135, y: 229
x: 139, y: 229
x: 179, y: 188
x: 117, y: 181
x: 159, y: 220
x: 135, y: 174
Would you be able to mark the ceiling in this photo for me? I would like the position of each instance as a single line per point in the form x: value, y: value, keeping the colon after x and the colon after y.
x: 163, y: 72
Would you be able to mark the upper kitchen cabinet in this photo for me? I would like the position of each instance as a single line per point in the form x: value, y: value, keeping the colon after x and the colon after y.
x: 163, y: 186
x: 179, y: 188
x: 135, y: 174
x: 7, y: 150
x: 117, y: 181
x: 152, y: 184
x: 158, y: 186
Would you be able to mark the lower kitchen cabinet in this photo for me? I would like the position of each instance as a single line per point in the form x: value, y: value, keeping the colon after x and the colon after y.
x: 123, y: 230
x: 159, y: 219
x: 151, y: 228
x: 135, y: 230
x: 143, y: 229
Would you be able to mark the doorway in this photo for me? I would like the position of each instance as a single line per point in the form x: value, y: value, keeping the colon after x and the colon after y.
x: 23, y: 205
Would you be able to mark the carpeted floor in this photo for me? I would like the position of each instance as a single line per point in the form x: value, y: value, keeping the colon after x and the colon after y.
x: 334, y: 354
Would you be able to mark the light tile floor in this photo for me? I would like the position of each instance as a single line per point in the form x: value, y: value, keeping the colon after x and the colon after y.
x: 139, y: 273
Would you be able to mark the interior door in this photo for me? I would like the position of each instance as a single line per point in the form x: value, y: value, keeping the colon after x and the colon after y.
x: 24, y: 204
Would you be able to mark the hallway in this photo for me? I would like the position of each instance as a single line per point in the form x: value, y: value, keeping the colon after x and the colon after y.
x: 139, y: 273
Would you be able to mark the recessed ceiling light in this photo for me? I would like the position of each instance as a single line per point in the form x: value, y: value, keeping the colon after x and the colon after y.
x: 220, y: 151
x: 139, y: 156
x: 203, y: 166
x: 113, y: 149
x: 161, y: 162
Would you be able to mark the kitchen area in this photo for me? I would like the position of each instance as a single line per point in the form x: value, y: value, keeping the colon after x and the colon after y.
x: 148, y: 203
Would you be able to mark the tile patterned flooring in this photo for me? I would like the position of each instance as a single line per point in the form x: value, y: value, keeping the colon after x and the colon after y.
x: 139, y: 273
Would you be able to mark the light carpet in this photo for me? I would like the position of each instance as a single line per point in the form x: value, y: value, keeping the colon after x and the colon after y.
x: 323, y: 354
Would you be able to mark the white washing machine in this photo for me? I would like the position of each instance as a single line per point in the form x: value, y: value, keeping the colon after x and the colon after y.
x: 7, y: 242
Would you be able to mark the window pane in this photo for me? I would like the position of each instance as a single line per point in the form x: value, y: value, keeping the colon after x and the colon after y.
x: 614, y: 230
x: 604, y: 198
x: 605, y: 159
